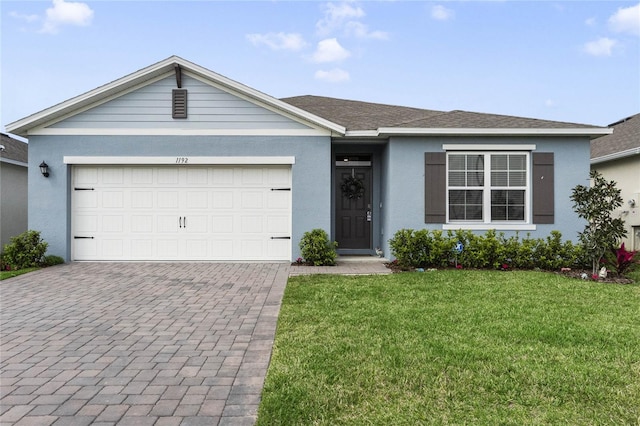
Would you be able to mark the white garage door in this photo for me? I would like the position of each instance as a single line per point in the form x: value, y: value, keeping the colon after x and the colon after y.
x: 181, y: 212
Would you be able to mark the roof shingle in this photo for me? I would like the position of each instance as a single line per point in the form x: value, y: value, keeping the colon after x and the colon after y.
x: 625, y: 137
x: 14, y: 149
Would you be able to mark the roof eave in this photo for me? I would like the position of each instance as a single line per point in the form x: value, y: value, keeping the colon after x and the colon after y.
x: 616, y: 156
x: 592, y: 132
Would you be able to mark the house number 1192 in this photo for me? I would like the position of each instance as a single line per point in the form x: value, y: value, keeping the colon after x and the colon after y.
x: 182, y: 160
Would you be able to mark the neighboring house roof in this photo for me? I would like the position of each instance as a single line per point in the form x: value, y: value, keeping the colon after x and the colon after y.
x: 623, y: 142
x: 341, y: 117
x: 14, y: 151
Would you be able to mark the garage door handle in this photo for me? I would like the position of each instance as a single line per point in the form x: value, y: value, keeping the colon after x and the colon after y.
x: 82, y: 238
x: 180, y: 221
x: 281, y: 189
x: 280, y: 238
x: 83, y: 189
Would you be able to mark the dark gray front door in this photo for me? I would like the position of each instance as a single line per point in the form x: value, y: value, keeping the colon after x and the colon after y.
x: 353, y: 207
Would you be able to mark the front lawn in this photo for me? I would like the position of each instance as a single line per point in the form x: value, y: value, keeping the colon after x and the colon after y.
x: 454, y: 347
x: 10, y: 274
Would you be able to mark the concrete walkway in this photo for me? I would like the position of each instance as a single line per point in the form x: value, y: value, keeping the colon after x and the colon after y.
x: 141, y: 343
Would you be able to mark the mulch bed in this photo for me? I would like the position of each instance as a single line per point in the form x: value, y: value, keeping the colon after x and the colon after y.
x: 577, y: 274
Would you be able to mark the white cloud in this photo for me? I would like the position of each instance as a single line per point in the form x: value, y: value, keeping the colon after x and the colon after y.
x: 626, y: 20
x: 590, y: 22
x: 335, y: 75
x: 336, y: 15
x: 601, y: 47
x: 441, y: 13
x: 549, y: 103
x: 329, y: 50
x: 278, y: 41
x: 26, y: 18
x: 66, y: 13
x: 360, y: 30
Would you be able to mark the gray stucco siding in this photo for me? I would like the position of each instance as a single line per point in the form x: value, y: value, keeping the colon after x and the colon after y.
x: 50, y: 206
x: 403, y: 190
x: 150, y: 107
x: 13, y: 201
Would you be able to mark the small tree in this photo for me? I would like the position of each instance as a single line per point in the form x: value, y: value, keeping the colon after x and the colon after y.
x: 595, y: 204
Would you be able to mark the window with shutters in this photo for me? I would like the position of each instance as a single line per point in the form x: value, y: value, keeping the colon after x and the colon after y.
x: 488, y: 187
x: 179, y: 103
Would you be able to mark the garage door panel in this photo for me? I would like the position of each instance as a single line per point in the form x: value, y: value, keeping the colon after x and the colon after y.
x: 181, y: 213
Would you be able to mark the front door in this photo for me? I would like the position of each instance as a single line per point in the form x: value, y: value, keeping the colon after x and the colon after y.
x: 353, y: 206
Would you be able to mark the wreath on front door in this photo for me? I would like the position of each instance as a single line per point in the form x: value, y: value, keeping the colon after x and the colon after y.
x: 352, y: 188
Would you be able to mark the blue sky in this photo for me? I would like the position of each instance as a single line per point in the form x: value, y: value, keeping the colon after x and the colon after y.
x: 576, y: 61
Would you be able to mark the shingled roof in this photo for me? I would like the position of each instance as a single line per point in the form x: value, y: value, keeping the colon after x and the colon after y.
x: 14, y: 150
x: 355, y: 115
x: 623, y: 142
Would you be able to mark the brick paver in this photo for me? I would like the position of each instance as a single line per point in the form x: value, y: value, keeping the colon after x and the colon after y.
x: 142, y: 343
x: 137, y: 343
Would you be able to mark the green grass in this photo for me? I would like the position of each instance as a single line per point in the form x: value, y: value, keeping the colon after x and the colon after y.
x: 10, y: 274
x: 454, y: 347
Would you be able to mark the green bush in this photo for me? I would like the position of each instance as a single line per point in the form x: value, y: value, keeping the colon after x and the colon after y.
x: 52, y: 260
x: 424, y: 248
x: 25, y: 251
x: 316, y: 248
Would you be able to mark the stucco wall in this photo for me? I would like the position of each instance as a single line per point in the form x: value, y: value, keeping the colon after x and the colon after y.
x: 403, y: 190
x: 626, y: 173
x: 49, y: 205
x: 13, y: 201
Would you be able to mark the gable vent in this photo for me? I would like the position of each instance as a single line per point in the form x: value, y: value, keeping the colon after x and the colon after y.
x: 179, y: 103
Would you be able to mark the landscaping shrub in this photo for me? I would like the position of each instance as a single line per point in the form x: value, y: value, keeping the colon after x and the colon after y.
x: 317, y: 249
x: 621, y: 260
x: 433, y: 249
x: 52, y: 260
x: 25, y: 251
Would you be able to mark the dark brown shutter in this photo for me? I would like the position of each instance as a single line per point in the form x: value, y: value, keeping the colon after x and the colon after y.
x: 179, y: 103
x: 543, y: 196
x: 435, y: 187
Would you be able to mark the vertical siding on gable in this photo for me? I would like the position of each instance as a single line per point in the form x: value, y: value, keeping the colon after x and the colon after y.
x: 151, y: 107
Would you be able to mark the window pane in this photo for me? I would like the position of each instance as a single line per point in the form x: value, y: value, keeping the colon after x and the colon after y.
x: 517, y: 178
x: 475, y: 162
x: 498, y: 197
x: 498, y: 212
x: 515, y: 213
x: 456, y: 197
x: 474, y: 197
x: 499, y: 179
x: 498, y: 162
x: 475, y: 179
x: 457, y: 179
x: 507, y: 205
x: 517, y: 162
x: 516, y: 197
x: 465, y: 205
x: 457, y: 162
x: 474, y: 212
x: 456, y: 212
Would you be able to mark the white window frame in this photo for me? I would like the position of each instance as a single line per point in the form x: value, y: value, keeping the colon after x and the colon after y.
x: 486, y: 222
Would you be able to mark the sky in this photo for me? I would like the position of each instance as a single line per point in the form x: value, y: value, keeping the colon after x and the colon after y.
x: 573, y: 61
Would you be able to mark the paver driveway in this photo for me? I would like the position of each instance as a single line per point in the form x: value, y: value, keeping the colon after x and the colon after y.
x: 130, y: 343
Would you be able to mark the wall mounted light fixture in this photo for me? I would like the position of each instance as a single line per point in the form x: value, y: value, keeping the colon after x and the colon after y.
x: 44, y: 169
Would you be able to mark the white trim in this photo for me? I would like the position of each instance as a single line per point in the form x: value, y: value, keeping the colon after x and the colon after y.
x: 488, y: 226
x: 362, y: 134
x: 10, y: 161
x: 495, y: 131
x: 179, y: 132
x: 181, y: 160
x: 487, y: 147
x: 616, y: 156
